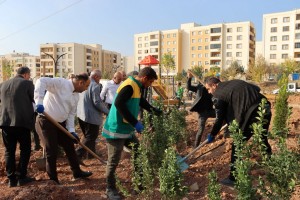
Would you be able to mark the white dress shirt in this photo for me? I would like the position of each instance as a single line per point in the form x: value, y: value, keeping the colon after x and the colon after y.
x: 109, y: 91
x: 60, y: 100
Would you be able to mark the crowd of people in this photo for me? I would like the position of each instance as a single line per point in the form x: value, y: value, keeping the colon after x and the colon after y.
x: 23, y: 108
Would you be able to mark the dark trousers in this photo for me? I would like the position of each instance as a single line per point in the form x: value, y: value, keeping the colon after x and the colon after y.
x: 115, y: 148
x: 36, y: 137
x: 248, y: 132
x: 90, y: 132
x: 203, y: 116
x: 51, y: 137
x: 12, y: 135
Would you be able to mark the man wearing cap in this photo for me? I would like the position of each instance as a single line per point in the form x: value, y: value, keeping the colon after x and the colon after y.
x: 16, y: 121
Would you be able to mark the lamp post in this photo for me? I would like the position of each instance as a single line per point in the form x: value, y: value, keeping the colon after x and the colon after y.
x: 55, y: 61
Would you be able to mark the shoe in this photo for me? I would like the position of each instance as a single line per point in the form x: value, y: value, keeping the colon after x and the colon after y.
x: 55, y: 180
x: 113, y: 194
x: 80, y: 161
x: 24, y: 181
x: 227, y: 182
x: 82, y: 174
x: 12, y: 182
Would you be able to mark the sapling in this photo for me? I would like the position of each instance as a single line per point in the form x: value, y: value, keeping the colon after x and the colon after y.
x: 214, y: 188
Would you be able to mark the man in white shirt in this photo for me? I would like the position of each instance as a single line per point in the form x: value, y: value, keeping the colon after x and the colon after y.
x: 109, y: 90
x: 60, y: 102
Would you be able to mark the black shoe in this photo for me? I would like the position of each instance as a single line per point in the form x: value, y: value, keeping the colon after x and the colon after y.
x: 113, y: 194
x: 55, y: 180
x: 24, y: 181
x: 82, y: 174
x: 228, y: 182
x: 12, y: 182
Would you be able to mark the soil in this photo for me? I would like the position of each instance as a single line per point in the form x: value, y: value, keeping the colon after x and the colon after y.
x: 93, y: 188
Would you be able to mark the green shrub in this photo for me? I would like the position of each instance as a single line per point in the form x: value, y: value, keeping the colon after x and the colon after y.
x: 214, y: 189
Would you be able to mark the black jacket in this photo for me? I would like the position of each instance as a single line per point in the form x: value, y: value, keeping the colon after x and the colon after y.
x: 16, y: 97
x: 203, y: 101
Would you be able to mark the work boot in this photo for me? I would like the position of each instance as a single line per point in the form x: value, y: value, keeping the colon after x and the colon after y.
x: 113, y: 194
x: 12, y: 182
x: 82, y: 174
x: 228, y: 182
x: 25, y: 180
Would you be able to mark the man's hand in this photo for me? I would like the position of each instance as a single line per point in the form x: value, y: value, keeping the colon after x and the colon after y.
x: 157, y: 111
x: 40, y: 108
x: 76, y: 140
x: 189, y: 74
x: 210, y: 138
x: 139, y: 127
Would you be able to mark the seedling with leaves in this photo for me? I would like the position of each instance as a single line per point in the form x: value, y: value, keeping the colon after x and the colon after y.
x: 214, y: 188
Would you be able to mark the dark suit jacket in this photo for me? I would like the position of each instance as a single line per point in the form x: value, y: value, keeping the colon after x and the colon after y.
x: 203, y: 101
x: 235, y: 99
x: 16, y: 97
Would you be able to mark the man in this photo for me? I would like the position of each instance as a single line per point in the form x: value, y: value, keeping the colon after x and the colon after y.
x: 237, y: 100
x: 90, y: 111
x: 202, y: 105
x: 60, y: 102
x: 110, y: 88
x: 124, y: 75
x: 16, y: 121
x: 122, y: 121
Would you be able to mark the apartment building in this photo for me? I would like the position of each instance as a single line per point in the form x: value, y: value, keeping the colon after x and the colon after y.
x: 127, y: 64
x: 62, y: 59
x: 195, y: 45
x: 9, y: 64
x: 281, y: 36
x: 111, y: 61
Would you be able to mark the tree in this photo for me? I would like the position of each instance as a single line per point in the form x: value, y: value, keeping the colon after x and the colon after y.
x: 198, y: 70
x: 7, y: 70
x: 213, y: 71
x: 232, y: 71
x: 290, y: 66
x: 168, y: 62
x: 259, y: 69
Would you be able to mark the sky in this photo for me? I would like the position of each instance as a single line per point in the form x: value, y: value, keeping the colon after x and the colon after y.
x: 25, y: 24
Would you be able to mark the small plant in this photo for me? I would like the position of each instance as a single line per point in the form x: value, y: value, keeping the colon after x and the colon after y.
x: 214, y: 189
x: 170, y: 177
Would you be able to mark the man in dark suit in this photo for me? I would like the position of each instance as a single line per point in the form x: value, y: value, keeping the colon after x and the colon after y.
x: 237, y: 100
x: 202, y: 105
x: 16, y: 121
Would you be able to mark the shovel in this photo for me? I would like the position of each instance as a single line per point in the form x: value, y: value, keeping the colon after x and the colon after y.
x: 41, y: 162
x: 48, y: 117
x: 183, y: 165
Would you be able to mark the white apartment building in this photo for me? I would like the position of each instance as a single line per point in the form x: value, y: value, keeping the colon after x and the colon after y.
x: 16, y: 60
x: 111, y: 61
x: 127, y: 64
x: 62, y: 59
x: 281, y: 36
x: 195, y: 45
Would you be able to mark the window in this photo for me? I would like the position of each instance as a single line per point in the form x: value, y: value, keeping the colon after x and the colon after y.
x: 285, y: 47
x: 146, y: 51
x: 168, y: 43
x: 146, y: 38
x: 238, y: 54
x: 139, y: 51
x: 238, y: 46
x: 139, y: 38
x: 229, y: 46
x: 146, y: 45
x: 174, y: 35
x: 168, y: 35
x: 206, y: 39
x: 228, y: 62
x: 193, y: 33
x: 193, y: 63
x: 206, y: 47
x: 193, y: 55
x: 139, y: 45
x: 70, y: 56
x: 154, y: 43
x: 285, y: 28
x: 229, y: 54
x: 284, y: 56
x: 273, y: 20
x: 174, y: 49
x: 229, y: 38
x: 239, y: 29
x: 286, y: 19
x: 215, y: 30
x: 69, y: 48
x: 193, y: 48
x: 70, y: 63
x: 229, y: 30
x: 273, y: 38
x: 239, y: 37
x: 297, y: 45
x: 199, y: 63
x: 207, y: 32
x: 297, y: 36
x: 200, y: 40
x: 206, y: 63
x: 199, y: 55
x: 215, y: 46
x: 285, y: 38
x: 174, y: 42
x: 199, y: 47
x: 58, y: 50
x: 273, y: 47
x: 139, y: 58
x: 273, y: 29
x: 193, y: 40
x: 297, y: 27
x: 206, y: 55
x: 199, y: 32
x: 63, y: 49
x: 162, y: 43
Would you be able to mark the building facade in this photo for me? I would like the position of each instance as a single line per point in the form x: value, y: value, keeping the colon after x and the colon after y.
x: 111, y: 62
x: 281, y: 36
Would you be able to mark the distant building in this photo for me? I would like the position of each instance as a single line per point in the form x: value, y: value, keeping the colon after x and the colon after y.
x: 111, y: 61
x: 127, y: 64
x: 281, y: 36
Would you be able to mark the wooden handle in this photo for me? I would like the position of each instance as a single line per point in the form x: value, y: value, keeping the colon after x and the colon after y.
x: 48, y: 117
x: 196, y: 77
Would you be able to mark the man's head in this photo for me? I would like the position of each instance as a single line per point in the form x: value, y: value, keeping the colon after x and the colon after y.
x: 96, y: 75
x: 147, y: 76
x: 133, y: 73
x: 81, y: 82
x: 124, y: 76
x: 118, y: 77
x: 211, y: 84
x: 24, y: 72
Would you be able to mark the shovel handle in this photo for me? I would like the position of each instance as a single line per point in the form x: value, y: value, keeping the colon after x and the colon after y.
x: 48, y: 117
x: 196, y: 77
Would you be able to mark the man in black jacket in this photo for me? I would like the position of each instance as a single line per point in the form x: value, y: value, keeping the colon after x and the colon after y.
x: 237, y: 100
x: 16, y: 121
x: 202, y: 105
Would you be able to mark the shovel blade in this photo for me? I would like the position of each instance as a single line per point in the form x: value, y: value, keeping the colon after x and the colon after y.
x: 182, y: 165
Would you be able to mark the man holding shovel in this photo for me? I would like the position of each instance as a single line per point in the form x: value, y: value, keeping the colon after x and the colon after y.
x: 60, y: 103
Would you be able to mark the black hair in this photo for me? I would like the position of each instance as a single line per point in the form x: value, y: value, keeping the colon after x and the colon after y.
x: 133, y: 73
x: 211, y: 80
x: 149, y: 72
x: 23, y: 70
x: 83, y: 76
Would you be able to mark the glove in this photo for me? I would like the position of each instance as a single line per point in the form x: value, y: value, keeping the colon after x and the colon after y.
x: 210, y: 138
x: 139, y: 127
x: 157, y: 111
x: 76, y: 140
x: 40, y: 108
